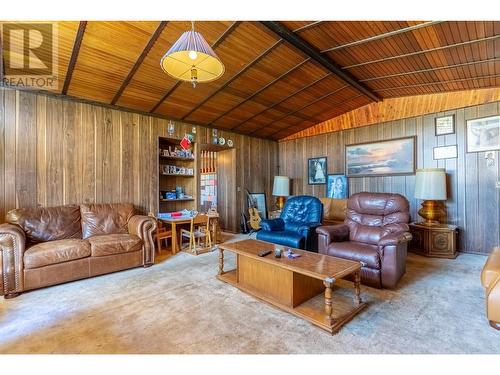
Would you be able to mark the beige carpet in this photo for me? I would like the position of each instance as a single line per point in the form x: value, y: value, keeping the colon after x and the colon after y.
x: 178, y: 306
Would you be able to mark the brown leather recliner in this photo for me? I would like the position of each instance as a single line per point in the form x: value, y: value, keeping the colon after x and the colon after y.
x: 375, y: 232
x: 45, y: 246
x: 490, y: 278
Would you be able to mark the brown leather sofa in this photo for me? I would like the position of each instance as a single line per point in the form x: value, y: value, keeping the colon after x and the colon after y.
x: 375, y: 232
x: 45, y: 246
x: 490, y: 278
x: 333, y: 210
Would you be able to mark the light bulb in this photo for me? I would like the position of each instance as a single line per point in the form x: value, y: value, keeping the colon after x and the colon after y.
x: 192, y: 55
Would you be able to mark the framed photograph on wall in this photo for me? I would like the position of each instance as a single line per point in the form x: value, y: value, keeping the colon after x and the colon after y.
x: 316, y: 170
x: 445, y: 152
x: 337, y: 187
x: 384, y: 158
x: 259, y: 200
x: 483, y: 134
x: 445, y: 125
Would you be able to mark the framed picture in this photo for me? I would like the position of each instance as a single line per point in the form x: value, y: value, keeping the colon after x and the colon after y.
x: 258, y: 200
x: 445, y: 125
x: 316, y: 170
x: 445, y: 152
x: 383, y: 158
x: 337, y: 187
x: 483, y: 134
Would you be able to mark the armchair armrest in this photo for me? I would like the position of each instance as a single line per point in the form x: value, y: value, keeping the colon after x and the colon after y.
x: 272, y: 225
x: 143, y: 227
x: 12, y: 245
x: 329, y: 234
x: 393, y: 239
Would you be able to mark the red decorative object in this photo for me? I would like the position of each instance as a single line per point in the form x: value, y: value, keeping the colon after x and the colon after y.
x: 185, y: 143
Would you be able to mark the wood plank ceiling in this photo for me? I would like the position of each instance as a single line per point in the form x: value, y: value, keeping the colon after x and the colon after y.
x: 281, y: 77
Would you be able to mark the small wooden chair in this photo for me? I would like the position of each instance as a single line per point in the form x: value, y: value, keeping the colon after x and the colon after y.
x: 162, y: 233
x: 199, y: 229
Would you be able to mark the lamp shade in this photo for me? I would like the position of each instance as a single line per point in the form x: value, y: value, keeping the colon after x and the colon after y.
x: 192, y: 59
x: 430, y: 184
x: 281, y: 187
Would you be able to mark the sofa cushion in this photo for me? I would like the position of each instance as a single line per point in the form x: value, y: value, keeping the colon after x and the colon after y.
x: 285, y: 238
x: 110, y: 244
x: 99, y: 219
x: 357, y: 251
x: 42, y: 224
x: 326, y: 207
x: 54, y: 252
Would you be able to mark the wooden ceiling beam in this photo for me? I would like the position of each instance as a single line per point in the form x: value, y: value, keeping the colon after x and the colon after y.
x: 325, y: 61
x: 422, y: 52
x: 74, y: 56
x: 140, y: 60
x: 322, y: 98
x: 261, y: 90
x: 308, y: 26
x: 429, y: 70
x: 217, y: 43
x: 438, y: 82
x: 383, y: 36
x: 282, y: 100
x: 230, y: 80
x: 301, y: 108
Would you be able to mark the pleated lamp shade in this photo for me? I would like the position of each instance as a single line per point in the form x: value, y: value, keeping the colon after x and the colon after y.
x: 192, y: 59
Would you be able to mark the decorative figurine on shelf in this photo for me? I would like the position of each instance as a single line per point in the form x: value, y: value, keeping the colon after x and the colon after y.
x: 171, y: 128
x: 214, y: 136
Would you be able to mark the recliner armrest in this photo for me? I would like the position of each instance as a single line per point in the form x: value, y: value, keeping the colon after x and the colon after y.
x: 334, y: 233
x: 393, y: 239
x: 143, y: 227
x: 273, y: 225
x: 12, y: 246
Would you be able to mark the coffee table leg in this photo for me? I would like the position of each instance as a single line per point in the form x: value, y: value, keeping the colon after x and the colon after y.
x: 221, y: 261
x: 357, y: 287
x: 328, y: 299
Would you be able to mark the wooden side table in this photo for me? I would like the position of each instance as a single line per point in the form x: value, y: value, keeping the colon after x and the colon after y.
x: 436, y: 240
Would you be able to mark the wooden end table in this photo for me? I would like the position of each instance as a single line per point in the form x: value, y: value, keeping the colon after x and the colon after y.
x: 434, y: 240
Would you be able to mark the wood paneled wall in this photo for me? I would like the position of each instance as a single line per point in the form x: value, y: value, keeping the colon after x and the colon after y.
x: 399, y: 108
x: 474, y: 202
x: 55, y: 151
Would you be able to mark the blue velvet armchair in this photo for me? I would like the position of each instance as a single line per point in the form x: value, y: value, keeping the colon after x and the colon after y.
x: 297, y: 224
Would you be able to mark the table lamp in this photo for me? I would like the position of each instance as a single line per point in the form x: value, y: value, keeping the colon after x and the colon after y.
x: 281, y: 189
x: 430, y: 185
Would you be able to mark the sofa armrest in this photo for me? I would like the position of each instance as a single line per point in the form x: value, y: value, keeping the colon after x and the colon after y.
x: 144, y: 226
x: 12, y: 246
x: 393, y: 239
x: 491, y: 270
x: 329, y: 234
x: 272, y: 225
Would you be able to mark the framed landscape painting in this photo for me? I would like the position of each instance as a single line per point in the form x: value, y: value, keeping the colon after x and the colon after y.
x: 383, y: 158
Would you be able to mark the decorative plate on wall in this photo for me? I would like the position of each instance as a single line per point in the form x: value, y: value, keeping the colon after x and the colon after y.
x: 230, y: 142
x: 222, y: 141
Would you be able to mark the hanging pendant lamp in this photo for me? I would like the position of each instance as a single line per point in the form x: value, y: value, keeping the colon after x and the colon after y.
x: 192, y: 59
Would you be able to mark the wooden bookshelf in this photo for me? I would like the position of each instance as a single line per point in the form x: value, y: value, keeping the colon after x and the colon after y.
x: 169, y: 181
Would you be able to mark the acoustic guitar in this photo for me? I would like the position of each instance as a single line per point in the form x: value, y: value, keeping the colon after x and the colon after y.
x: 255, y: 218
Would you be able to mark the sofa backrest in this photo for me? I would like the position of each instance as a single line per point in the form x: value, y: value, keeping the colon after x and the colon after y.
x: 334, y: 209
x: 98, y: 219
x: 302, y: 209
x: 370, y: 216
x: 42, y: 224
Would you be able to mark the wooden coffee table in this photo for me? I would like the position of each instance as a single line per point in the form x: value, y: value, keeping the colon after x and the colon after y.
x: 302, y: 286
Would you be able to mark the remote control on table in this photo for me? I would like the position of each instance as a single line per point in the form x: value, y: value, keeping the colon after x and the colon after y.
x: 263, y: 253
